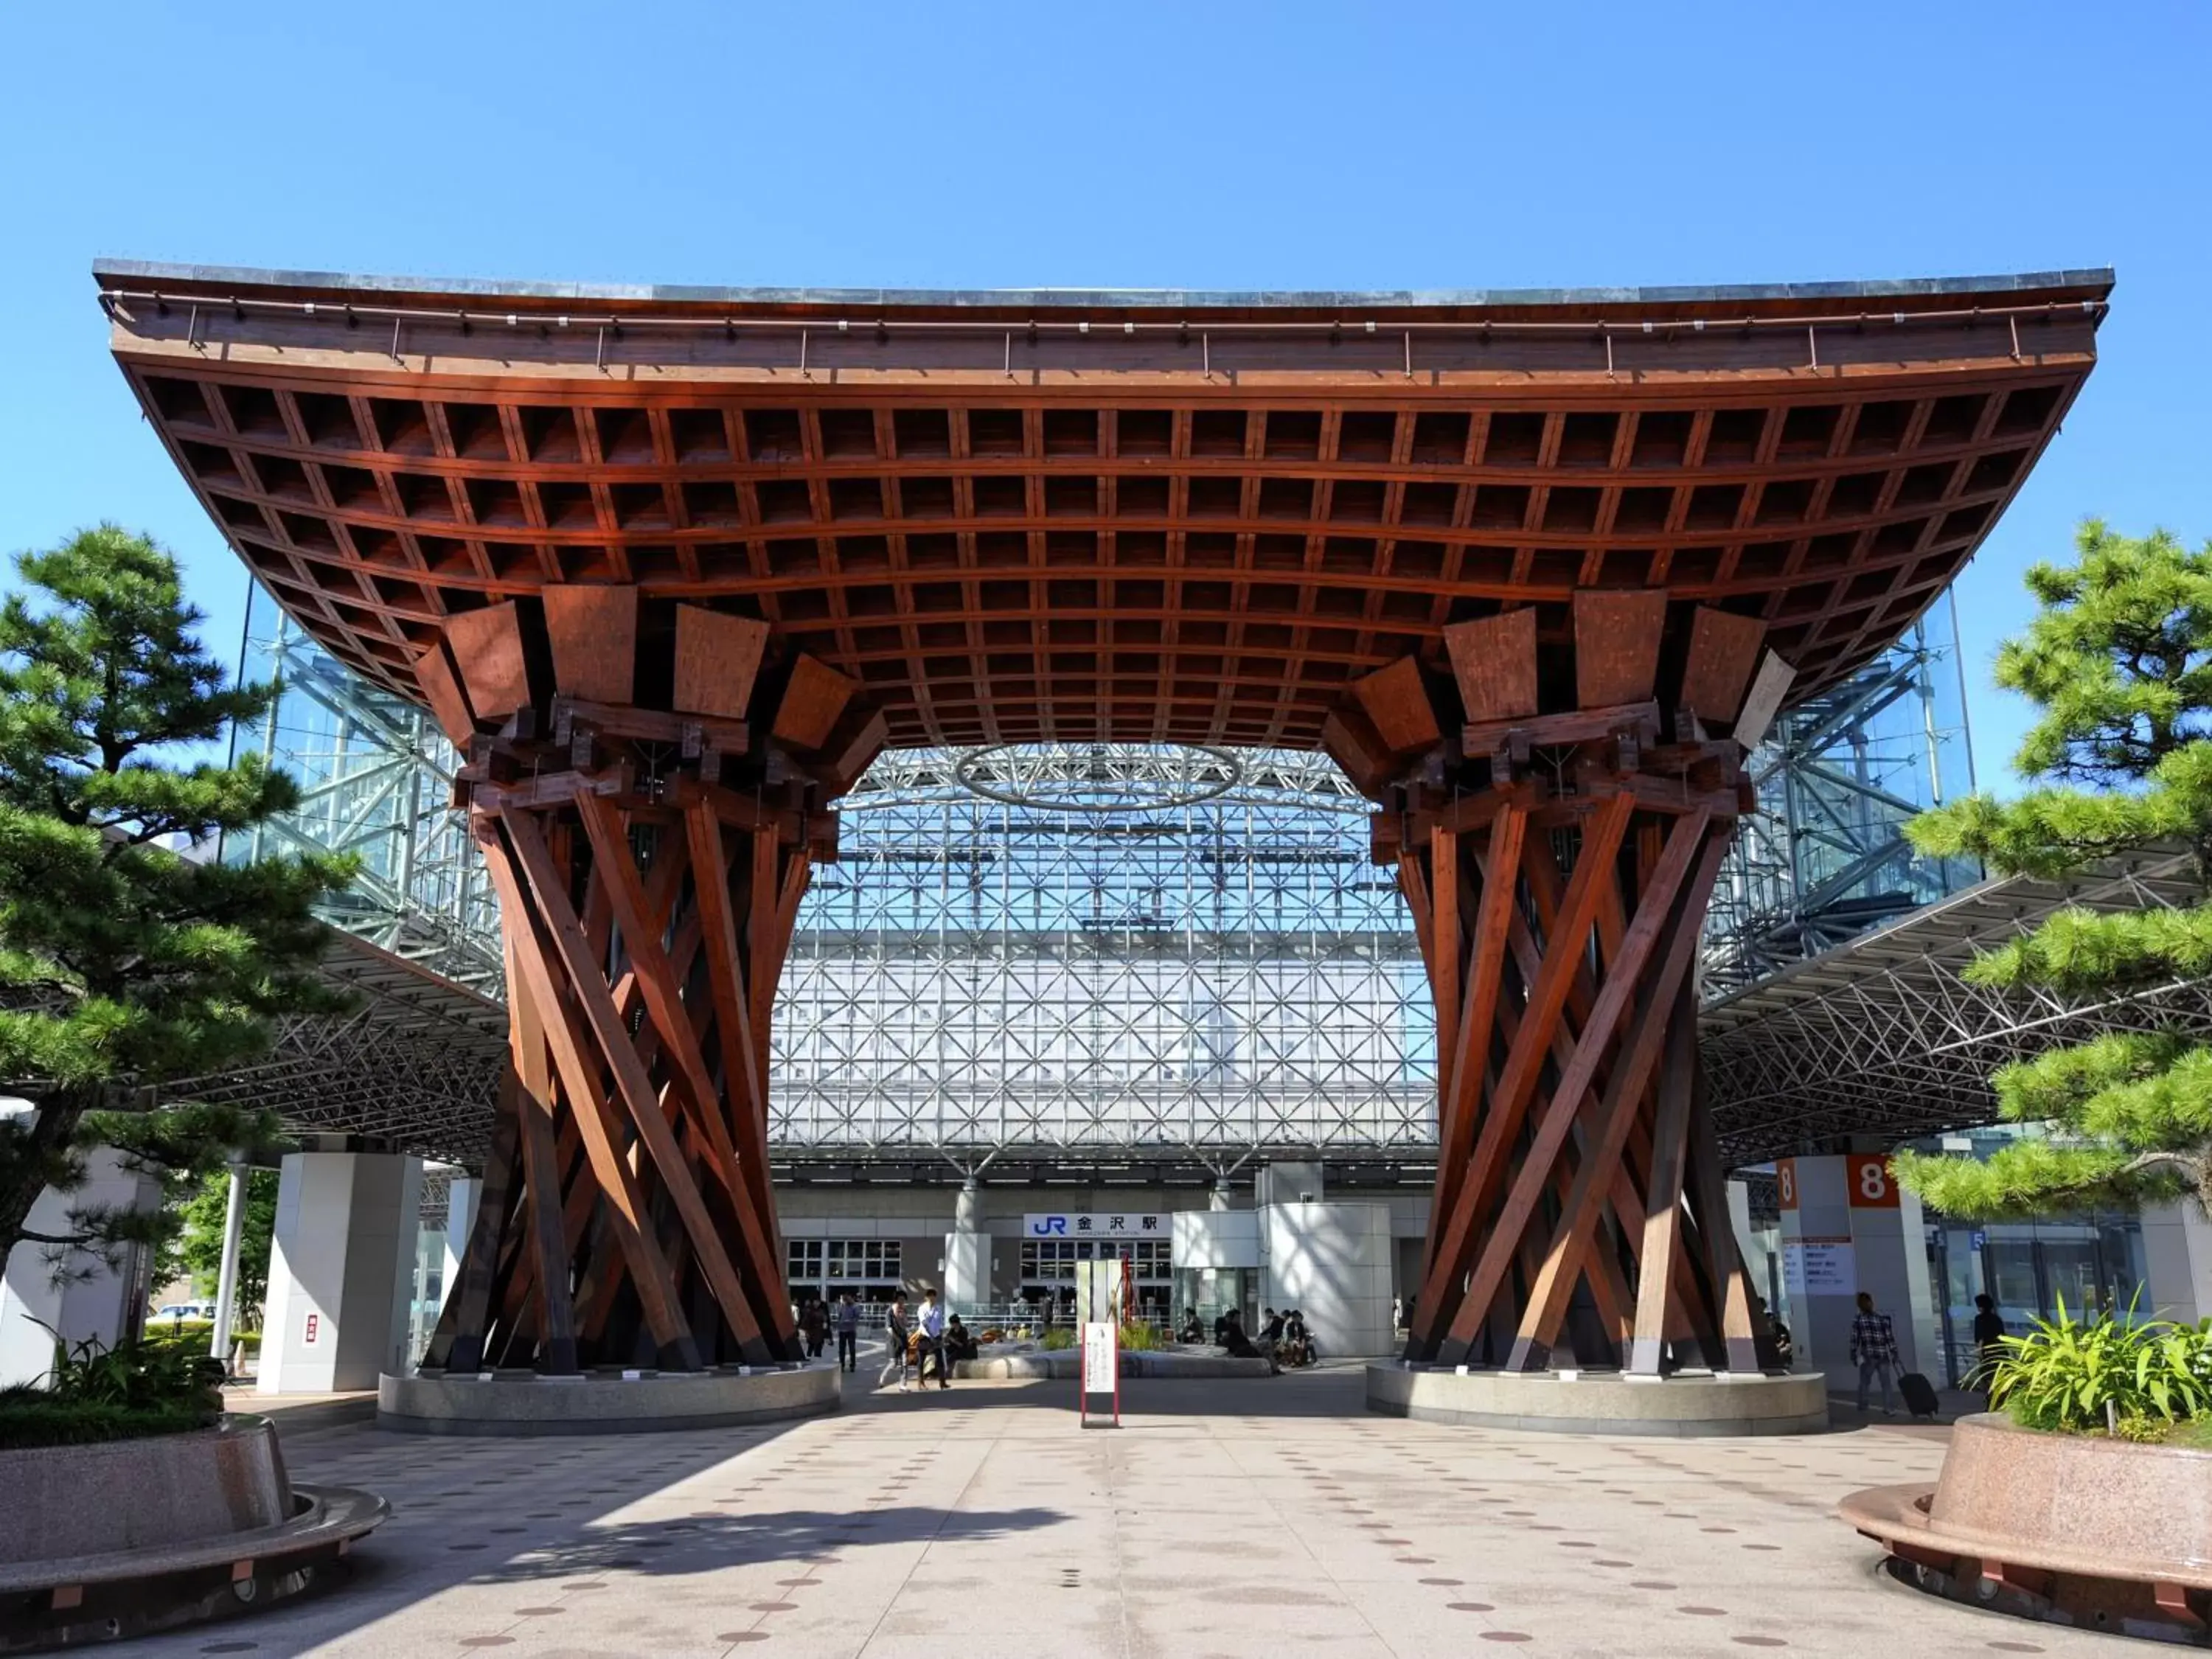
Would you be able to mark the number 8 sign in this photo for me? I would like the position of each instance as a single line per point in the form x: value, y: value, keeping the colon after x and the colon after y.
x: 1873, y: 1187
x: 1785, y: 1182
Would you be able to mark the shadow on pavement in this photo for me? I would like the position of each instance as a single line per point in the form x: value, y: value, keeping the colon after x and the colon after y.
x: 703, y: 1543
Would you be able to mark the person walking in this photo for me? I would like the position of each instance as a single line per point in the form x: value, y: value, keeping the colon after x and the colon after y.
x: 933, y: 1342
x: 1989, y: 1341
x: 814, y: 1323
x: 847, y: 1322
x: 1874, y: 1350
x: 895, y: 1336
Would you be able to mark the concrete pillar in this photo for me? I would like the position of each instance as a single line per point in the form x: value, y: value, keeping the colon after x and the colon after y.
x: 1847, y: 1227
x: 226, y: 1284
x: 341, y: 1272
x: 94, y: 1298
x: 968, y: 1251
x: 1219, y: 1198
x: 463, y: 1194
x: 2176, y: 1262
x: 1332, y: 1262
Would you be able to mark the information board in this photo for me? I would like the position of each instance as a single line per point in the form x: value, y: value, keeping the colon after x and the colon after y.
x: 1819, y: 1266
x: 1099, y: 1357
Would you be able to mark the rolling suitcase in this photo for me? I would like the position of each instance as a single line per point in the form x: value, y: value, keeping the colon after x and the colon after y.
x: 1919, y: 1393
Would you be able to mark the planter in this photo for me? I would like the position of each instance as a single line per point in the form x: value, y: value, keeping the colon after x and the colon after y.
x: 2077, y: 1528
x: 1065, y: 1364
x: 131, y: 1536
x: 525, y: 1403
x: 1602, y: 1402
x: 118, y: 1495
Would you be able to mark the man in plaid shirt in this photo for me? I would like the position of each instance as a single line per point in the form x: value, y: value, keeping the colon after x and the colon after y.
x: 1874, y: 1349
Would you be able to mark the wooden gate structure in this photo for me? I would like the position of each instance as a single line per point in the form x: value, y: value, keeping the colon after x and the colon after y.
x: 669, y: 566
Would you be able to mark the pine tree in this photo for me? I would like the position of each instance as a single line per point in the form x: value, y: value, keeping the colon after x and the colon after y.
x: 125, y: 962
x: 2119, y: 661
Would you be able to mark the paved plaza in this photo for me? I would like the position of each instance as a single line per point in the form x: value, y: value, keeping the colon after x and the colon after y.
x: 1257, y: 1517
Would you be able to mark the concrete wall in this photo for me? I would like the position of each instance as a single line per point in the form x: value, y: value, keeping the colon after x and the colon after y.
x: 94, y: 1300
x: 2176, y: 1262
x: 1205, y: 1239
x: 1333, y: 1262
x: 341, y: 1272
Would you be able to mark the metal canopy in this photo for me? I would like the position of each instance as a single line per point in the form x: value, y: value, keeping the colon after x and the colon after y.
x: 1882, y: 1038
x: 414, y: 1062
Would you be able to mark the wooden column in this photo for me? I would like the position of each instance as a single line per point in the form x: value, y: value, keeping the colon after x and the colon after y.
x: 649, y: 861
x: 1559, y: 861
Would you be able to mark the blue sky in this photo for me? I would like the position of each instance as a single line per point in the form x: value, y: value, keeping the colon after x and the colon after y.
x: 1282, y: 146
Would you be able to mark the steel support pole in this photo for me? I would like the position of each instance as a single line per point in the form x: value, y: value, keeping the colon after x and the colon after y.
x: 226, y: 1294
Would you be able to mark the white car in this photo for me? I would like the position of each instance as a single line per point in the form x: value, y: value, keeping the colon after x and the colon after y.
x: 183, y: 1310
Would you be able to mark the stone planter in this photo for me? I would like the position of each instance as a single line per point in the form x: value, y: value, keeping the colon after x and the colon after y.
x: 525, y: 1403
x: 132, y: 1536
x: 1065, y: 1364
x: 2076, y: 1529
x: 119, y: 1495
x: 1602, y: 1402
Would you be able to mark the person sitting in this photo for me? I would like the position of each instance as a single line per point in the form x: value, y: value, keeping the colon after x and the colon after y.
x: 1241, y: 1347
x: 1222, y: 1322
x: 1272, y: 1331
x: 959, y: 1343
x: 1192, y: 1331
x: 1298, y: 1346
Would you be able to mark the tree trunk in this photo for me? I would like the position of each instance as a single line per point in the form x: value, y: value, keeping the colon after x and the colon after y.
x: 42, y: 1155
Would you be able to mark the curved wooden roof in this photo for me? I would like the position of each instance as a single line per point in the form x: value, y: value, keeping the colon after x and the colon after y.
x: 1138, y: 516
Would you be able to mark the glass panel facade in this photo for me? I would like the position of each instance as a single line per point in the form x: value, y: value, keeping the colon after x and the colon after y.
x: 1125, y: 967
x: 376, y: 780
x: 823, y: 1267
x: 2094, y: 1263
x: 1839, y: 777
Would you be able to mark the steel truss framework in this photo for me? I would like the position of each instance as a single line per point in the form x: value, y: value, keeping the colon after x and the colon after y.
x: 1883, y: 1039
x: 414, y: 1063
x: 376, y: 779
x: 1825, y: 856
x: 933, y: 875
x: 1121, y: 974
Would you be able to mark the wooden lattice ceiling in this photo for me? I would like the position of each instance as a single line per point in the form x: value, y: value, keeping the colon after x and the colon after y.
x: 1065, y: 517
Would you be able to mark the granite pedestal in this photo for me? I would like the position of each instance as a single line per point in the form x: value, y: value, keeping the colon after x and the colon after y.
x: 1600, y: 1402
x: 525, y: 1403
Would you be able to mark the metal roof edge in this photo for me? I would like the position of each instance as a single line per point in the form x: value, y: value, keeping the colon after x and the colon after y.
x: 115, y: 273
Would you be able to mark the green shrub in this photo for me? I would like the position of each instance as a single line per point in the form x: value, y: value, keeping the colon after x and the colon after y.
x: 94, y: 1392
x: 2077, y: 1375
x: 183, y: 1335
x: 1058, y: 1336
x: 1140, y: 1339
x: 192, y: 1336
x: 31, y: 1418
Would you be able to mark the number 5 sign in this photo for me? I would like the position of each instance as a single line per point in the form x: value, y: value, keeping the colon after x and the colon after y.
x: 1873, y: 1186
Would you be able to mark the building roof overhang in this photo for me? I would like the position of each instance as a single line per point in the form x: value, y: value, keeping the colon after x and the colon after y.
x: 1881, y: 1041
x: 1072, y: 514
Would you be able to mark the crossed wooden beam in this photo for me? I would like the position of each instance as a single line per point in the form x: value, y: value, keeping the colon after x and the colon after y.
x: 1558, y: 808
x: 647, y: 782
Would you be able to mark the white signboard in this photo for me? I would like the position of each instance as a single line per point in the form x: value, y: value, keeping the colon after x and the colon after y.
x: 1819, y: 1266
x: 1104, y: 1223
x: 1098, y: 1359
